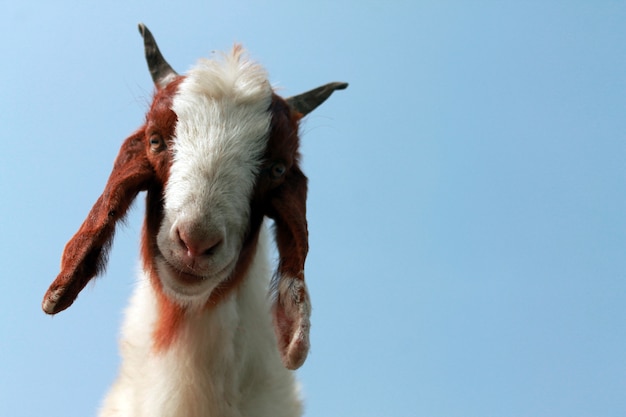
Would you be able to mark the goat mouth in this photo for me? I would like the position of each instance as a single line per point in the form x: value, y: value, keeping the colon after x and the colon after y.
x: 188, y: 277
x: 185, y: 277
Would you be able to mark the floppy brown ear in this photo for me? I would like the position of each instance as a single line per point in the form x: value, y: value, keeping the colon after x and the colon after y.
x: 292, y: 306
x: 85, y: 255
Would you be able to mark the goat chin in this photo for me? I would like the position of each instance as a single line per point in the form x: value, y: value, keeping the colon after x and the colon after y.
x: 216, y: 342
x: 189, y: 290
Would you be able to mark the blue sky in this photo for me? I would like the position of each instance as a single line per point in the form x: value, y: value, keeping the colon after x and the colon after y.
x: 466, y: 204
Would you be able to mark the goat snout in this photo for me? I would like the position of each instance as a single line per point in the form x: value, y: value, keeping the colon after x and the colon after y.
x: 197, y: 245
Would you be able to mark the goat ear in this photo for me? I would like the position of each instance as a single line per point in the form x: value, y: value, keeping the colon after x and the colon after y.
x: 85, y: 255
x: 292, y: 307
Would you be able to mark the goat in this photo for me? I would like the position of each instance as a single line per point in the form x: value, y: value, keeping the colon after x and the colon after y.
x: 209, y: 331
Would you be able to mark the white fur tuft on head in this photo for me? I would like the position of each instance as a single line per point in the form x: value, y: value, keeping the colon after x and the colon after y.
x: 234, y: 76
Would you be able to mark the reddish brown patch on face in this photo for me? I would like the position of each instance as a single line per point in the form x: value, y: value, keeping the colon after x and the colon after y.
x: 159, y: 131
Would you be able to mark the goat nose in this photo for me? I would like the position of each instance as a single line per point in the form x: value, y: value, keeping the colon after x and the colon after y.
x: 196, y: 246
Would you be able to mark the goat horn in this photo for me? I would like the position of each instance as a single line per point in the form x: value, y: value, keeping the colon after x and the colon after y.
x: 305, y: 103
x: 162, y: 73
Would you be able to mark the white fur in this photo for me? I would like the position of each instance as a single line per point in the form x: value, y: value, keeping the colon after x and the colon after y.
x: 225, y: 364
x: 224, y: 361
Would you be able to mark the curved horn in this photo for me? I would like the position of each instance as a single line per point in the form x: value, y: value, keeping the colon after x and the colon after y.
x: 305, y: 103
x: 162, y: 73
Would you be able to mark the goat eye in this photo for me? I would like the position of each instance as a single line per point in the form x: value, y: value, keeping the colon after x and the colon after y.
x: 156, y: 143
x: 278, y: 170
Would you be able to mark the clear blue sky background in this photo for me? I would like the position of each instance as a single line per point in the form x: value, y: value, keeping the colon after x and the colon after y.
x: 467, y: 204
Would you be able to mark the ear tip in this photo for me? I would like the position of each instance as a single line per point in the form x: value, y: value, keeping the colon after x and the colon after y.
x: 53, y: 302
x: 296, y: 353
x: 48, y: 306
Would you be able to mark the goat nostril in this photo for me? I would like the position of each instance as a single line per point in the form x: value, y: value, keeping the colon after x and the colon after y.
x: 197, y: 246
x: 211, y: 249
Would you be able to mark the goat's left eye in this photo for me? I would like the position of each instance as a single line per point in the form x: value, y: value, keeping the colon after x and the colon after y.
x: 278, y: 170
x: 156, y: 143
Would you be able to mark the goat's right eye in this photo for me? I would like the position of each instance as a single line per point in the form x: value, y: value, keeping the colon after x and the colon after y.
x: 157, y: 143
x: 278, y: 170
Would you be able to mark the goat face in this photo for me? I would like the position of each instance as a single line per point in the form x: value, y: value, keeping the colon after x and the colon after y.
x: 217, y: 152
